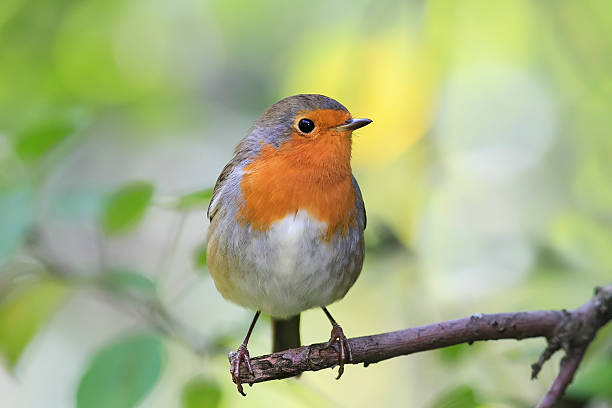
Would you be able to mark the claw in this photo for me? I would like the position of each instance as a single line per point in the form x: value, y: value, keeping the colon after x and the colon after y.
x: 337, y: 336
x: 242, y: 354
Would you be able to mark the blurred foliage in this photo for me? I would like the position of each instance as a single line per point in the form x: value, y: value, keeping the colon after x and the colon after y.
x: 126, y: 207
x: 195, y: 201
x: 16, y: 215
x: 454, y: 354
x: 486, y: 175
x: 200, y: 257
x: 593, y: 380
x: 122, y: 373
x: 131, y: 282
x: 200, y: 393
x: 39, y: 138
x: 23, y: 312
x: 459, y: 397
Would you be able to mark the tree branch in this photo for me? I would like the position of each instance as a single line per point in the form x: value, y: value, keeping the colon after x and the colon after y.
x: 569, y: 365
x: 574, y: 335
x: 570, y: 330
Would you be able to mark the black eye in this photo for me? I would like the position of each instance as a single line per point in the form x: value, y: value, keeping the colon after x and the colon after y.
x: 306, y: 125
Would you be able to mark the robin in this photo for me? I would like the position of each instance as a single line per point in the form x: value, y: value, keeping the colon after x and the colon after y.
x: 287, y: 220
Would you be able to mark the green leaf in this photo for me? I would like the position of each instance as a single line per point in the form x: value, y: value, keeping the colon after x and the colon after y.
x: 199, y: 257
x: 462, y: 396
x: 22, y: 314
x: 126, y: 207
x: 195, y: 201
x: 39, y: 138
x: 122, y: 373
x: 130, y: 281
x: 594, y: 380
x: 16, y: 215
x: 200, y: 393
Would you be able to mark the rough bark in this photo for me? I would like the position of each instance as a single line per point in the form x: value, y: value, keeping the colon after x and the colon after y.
x: 571, y: 331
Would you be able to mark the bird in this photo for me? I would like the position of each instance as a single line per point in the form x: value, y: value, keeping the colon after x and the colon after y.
x: 287, y: 221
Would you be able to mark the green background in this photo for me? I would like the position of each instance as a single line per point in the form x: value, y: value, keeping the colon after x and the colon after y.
x: 487, y: 177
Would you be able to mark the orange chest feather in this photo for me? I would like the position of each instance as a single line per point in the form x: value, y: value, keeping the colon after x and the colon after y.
x: 314, y: 176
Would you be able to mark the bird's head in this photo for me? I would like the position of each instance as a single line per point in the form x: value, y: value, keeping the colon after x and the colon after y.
x: 314, y: 124
x: 297, y: 157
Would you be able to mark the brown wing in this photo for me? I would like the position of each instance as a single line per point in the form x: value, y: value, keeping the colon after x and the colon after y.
x: 240, y: 155
x: 361, y: 212
x: 218, y: 185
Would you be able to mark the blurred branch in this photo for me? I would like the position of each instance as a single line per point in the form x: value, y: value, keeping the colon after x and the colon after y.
x: 149, y: 308
x: 157, y: 315
x: 168, y: 253
x: 571, y: 331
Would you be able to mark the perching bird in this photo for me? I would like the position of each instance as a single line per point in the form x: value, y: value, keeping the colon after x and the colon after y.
x: 287, y: 220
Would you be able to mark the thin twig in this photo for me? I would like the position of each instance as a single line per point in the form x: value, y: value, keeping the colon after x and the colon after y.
x: 569, y: 365
x: 570, y: 330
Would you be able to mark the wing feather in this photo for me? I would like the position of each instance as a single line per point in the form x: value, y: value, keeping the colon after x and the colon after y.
x: 361, y: 212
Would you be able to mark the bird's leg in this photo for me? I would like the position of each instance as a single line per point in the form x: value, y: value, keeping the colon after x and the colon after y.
x: 242, y: 354
x: 344, y: 349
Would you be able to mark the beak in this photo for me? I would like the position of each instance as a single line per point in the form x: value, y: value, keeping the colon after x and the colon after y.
x: 353, y: 124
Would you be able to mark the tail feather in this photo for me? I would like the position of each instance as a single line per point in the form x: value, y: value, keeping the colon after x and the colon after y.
x: 285, y: 333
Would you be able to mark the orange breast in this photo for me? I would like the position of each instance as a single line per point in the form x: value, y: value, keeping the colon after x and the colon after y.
x: 301, y: 174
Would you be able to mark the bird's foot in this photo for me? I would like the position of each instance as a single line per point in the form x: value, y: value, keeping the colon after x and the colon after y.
x: 242, y: 354
x: 344, y: 349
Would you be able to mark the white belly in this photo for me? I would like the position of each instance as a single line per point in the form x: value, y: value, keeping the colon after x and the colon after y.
x: 285, y: 270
